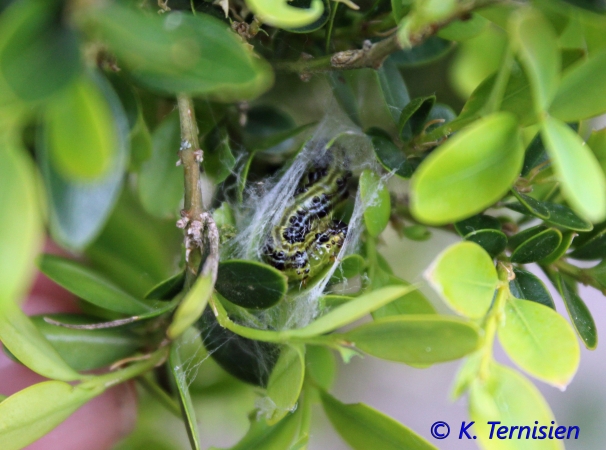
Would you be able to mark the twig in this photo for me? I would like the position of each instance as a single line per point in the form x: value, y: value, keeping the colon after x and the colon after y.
x: 373, y: 55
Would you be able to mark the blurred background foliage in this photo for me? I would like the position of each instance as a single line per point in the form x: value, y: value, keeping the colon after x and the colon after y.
x: 482, y: 112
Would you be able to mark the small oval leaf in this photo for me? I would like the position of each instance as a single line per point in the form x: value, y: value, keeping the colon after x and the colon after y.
x: 250, y: 284
x: 375, y: 197
x: 286, y: 381
x: 527, y: 286
x: 537, y: 247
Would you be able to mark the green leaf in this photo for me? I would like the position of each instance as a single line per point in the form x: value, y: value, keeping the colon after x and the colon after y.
x: 179, y: 377
x: 192, y: 54
x: 526, y: 234
x: 461, y: 30
x: 81, y: 136
x: 261, y: 436
x: 250, y: 284
x: 590, y: 5
x: 469, y: 172
x: 583, y: 182
x: 527, y: 286
x: 87, y: 349
x: 364, y: 428
x: 352, y: 310
x: 28, y: 345
x: 21, y: 224
x: 393, y: 89
x: 537, y: 247
x: 478, y: 222
x: 90, y: 286
x: 414, y: 115
x: 563, y: 216
x: 246, y: 359
x: 79, y: 209
x: 191, y: 307
x: 509, y: 398
x: 535, y: 155
x: 388, y: 154
x: 218, y: 159
x: 167, y: 289
x: 285, y: 381
x: 320, y: 364
x: 560, y: 252
x: 593, y: 248
x: 597, y: 143
x: 375, y: 197
x: 344, y: 93
x: 38, y: 54
x: 411, y: 303
x: 416, y: 339
x: 465, y: 277
x: 537, y: 46
x: 581, y: 94
x: 349, y: 267
x: 493, y: 241
x: 540, y: 341
x: 31, y: 413
x: 140, y: 145
x: 160, y: 181
x: 319, y: 23
x: 531, y: 205
x: 579, y: 313
x: 430, y: 50
x: 283, y: 15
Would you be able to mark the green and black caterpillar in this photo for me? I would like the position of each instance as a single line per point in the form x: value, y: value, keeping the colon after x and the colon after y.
x: 307, y: 238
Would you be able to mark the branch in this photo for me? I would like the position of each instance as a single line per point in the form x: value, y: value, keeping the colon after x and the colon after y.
x: 373, y: 55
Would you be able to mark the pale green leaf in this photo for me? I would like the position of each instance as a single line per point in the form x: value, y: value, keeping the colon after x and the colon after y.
x: 375, y: 196
x: 285, y: 381
x: 465, y: 277
x: 469, y: 172
x: 583, y: 182
x: 540, y: 341
x: 191, y: 307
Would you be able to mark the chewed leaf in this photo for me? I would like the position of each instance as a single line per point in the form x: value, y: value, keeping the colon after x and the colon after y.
x: 465, y: 277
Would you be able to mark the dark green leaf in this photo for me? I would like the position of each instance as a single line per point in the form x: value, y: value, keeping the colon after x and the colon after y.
x: 477, y: 223
x: 246, y: 359
x: 179, y: 52
x: 365, y: 428
x: 390, y: 156
x: 393, y: 88
x: 250, y: 284
x: 87, y: 349
x: 563, y: 216
x: 535, y: 155
x: 533, y: 206
x: 218, y: 159
x: 414, y: 115
x: 167, y: 289
x: 593, y: 248
x: 590, y: 5
x: 559, y: 252
x: 79, y: 209
x: 526, y: 234
x: 39, y: 55
x: 428, y: 51
x: 527, y: 286
x: 493, y: 241
x: 343, y: 92
x: 160, y: 181
x: 537, y: 247
x: 90, y: 286
x: 579, y: 313
x: 416, y: 339
x: 416, y: 232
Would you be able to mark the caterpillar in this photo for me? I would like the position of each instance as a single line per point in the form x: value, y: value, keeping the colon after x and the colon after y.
x: 307, y: 238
